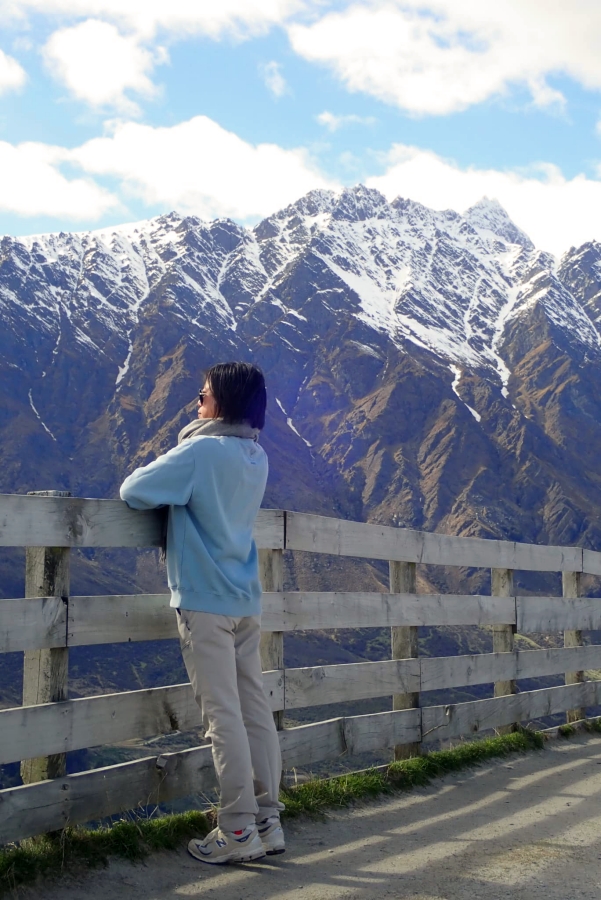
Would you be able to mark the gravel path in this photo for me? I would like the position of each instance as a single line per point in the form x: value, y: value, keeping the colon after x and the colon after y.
x: 526, y: 828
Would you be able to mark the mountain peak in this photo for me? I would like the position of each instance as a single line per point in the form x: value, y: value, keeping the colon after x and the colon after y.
x: 359, y: 203
x: 591, y: 251
x: 488, y: 215
x: 315, y: 203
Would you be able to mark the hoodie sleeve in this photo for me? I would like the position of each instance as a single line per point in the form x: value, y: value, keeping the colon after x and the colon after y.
x: 168, y: 481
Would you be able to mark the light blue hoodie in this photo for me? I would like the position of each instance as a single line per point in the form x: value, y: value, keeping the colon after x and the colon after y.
x: 214, y: 487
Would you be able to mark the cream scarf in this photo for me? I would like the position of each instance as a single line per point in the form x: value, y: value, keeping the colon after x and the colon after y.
x: 206, y: 428
x: 217, y: 428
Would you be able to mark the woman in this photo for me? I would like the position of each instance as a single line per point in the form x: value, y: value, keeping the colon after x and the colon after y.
x: 213, y: 483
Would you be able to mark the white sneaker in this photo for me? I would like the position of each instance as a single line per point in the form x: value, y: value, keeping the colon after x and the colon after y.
x: 272, y: 835
x: 220, y: 847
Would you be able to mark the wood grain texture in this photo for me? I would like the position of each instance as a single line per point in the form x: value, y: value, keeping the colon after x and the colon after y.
x: 290, y: 611
x: 271, y: 573
x: 72, y: 799
x: 93, y: 721
x: 309, y: 744
x: 124, y: 618
x: 269, y: 529
x: 544, y: 614
x: 404, y: 644
x: 501, y: 585
x: 120, y: 619
x: 52, y: 728
x: 45, y: 671
x: 29, y: 521
x: 320, y: 534
x: 385, y: 730
x: 112, y: 718
x: 572, y: 638
x: 438, y: 673
x: 591, y: 562
x: 351, y: 681
x: 33, y: 623
x: 115, y: 619
x: 273, y: 684
x: 76, y: 522
x: 454, y: 720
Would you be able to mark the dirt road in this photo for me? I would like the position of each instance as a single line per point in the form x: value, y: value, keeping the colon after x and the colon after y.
x: 526, y: 828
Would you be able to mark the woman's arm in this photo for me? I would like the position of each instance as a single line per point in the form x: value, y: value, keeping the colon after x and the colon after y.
x: 168, y: 481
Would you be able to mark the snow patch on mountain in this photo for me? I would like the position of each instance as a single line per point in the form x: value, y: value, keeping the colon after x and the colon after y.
x: 423, y: 276
x: 448, y: 283
x: 488, y: 216
x: 457, y: 373
x: 38, y: 416
x: 290, y: 423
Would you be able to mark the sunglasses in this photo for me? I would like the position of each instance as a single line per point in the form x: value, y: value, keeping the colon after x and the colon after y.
x: 201, y: 396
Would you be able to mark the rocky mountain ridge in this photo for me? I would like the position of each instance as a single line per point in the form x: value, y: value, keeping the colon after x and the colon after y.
x: 425, y: 368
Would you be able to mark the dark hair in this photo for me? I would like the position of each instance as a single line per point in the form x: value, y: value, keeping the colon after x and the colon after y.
x: 239, y: 391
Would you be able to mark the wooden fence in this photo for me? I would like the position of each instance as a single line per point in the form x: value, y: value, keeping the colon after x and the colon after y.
x: 49, y: 621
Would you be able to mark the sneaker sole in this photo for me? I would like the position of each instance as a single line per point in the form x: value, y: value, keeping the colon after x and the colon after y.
x: 274, y: 843
x: 232, y: 858
x: 253, y: 857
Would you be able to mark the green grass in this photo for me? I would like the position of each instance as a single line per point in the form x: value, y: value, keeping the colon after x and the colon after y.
x: 593, y: 725
x: 134, y: 838
x: 315, y: 797
x: 566, y: 731
x: 131, y: 839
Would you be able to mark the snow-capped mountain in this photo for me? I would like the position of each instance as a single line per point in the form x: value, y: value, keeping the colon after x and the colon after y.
x: 445, y: 282
x: 425, y: 368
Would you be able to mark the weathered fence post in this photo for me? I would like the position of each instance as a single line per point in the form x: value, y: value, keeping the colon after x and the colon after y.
x: 271, y: 570
x: 503, y: 636
x: 403, y: 641
x: 571, y: 588
x: 45, y: 672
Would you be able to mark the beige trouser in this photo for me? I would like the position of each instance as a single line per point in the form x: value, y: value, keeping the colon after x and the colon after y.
x: 223, y: 661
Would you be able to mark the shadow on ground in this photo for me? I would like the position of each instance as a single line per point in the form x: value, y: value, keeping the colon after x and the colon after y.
x: 526, y: 828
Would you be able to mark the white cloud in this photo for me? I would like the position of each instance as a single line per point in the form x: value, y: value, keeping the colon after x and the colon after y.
x: 441, y: 56
x: 201, y: 168
x: 196, y: 167
x: 107, y: 55
x: 273, y: 78
x: 554, y: 211
x: 12, y: 75
x: 333, y: 122
x: 98, y: 64
x: 180, y: 17
x: 31, y: 184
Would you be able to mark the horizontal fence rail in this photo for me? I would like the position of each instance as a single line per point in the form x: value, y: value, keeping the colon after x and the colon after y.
x: 30, y: 521
x: 46, y: 622
x: 84, y: 621
x: 454, y: 720
x: 51, y: 805
x: 46, y: 728
x: 320, y: 534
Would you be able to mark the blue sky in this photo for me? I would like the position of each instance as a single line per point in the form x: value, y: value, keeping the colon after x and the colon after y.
x: 117, y: 111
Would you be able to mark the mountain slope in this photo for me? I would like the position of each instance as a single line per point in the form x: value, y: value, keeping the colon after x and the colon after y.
x: 425, y: 368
